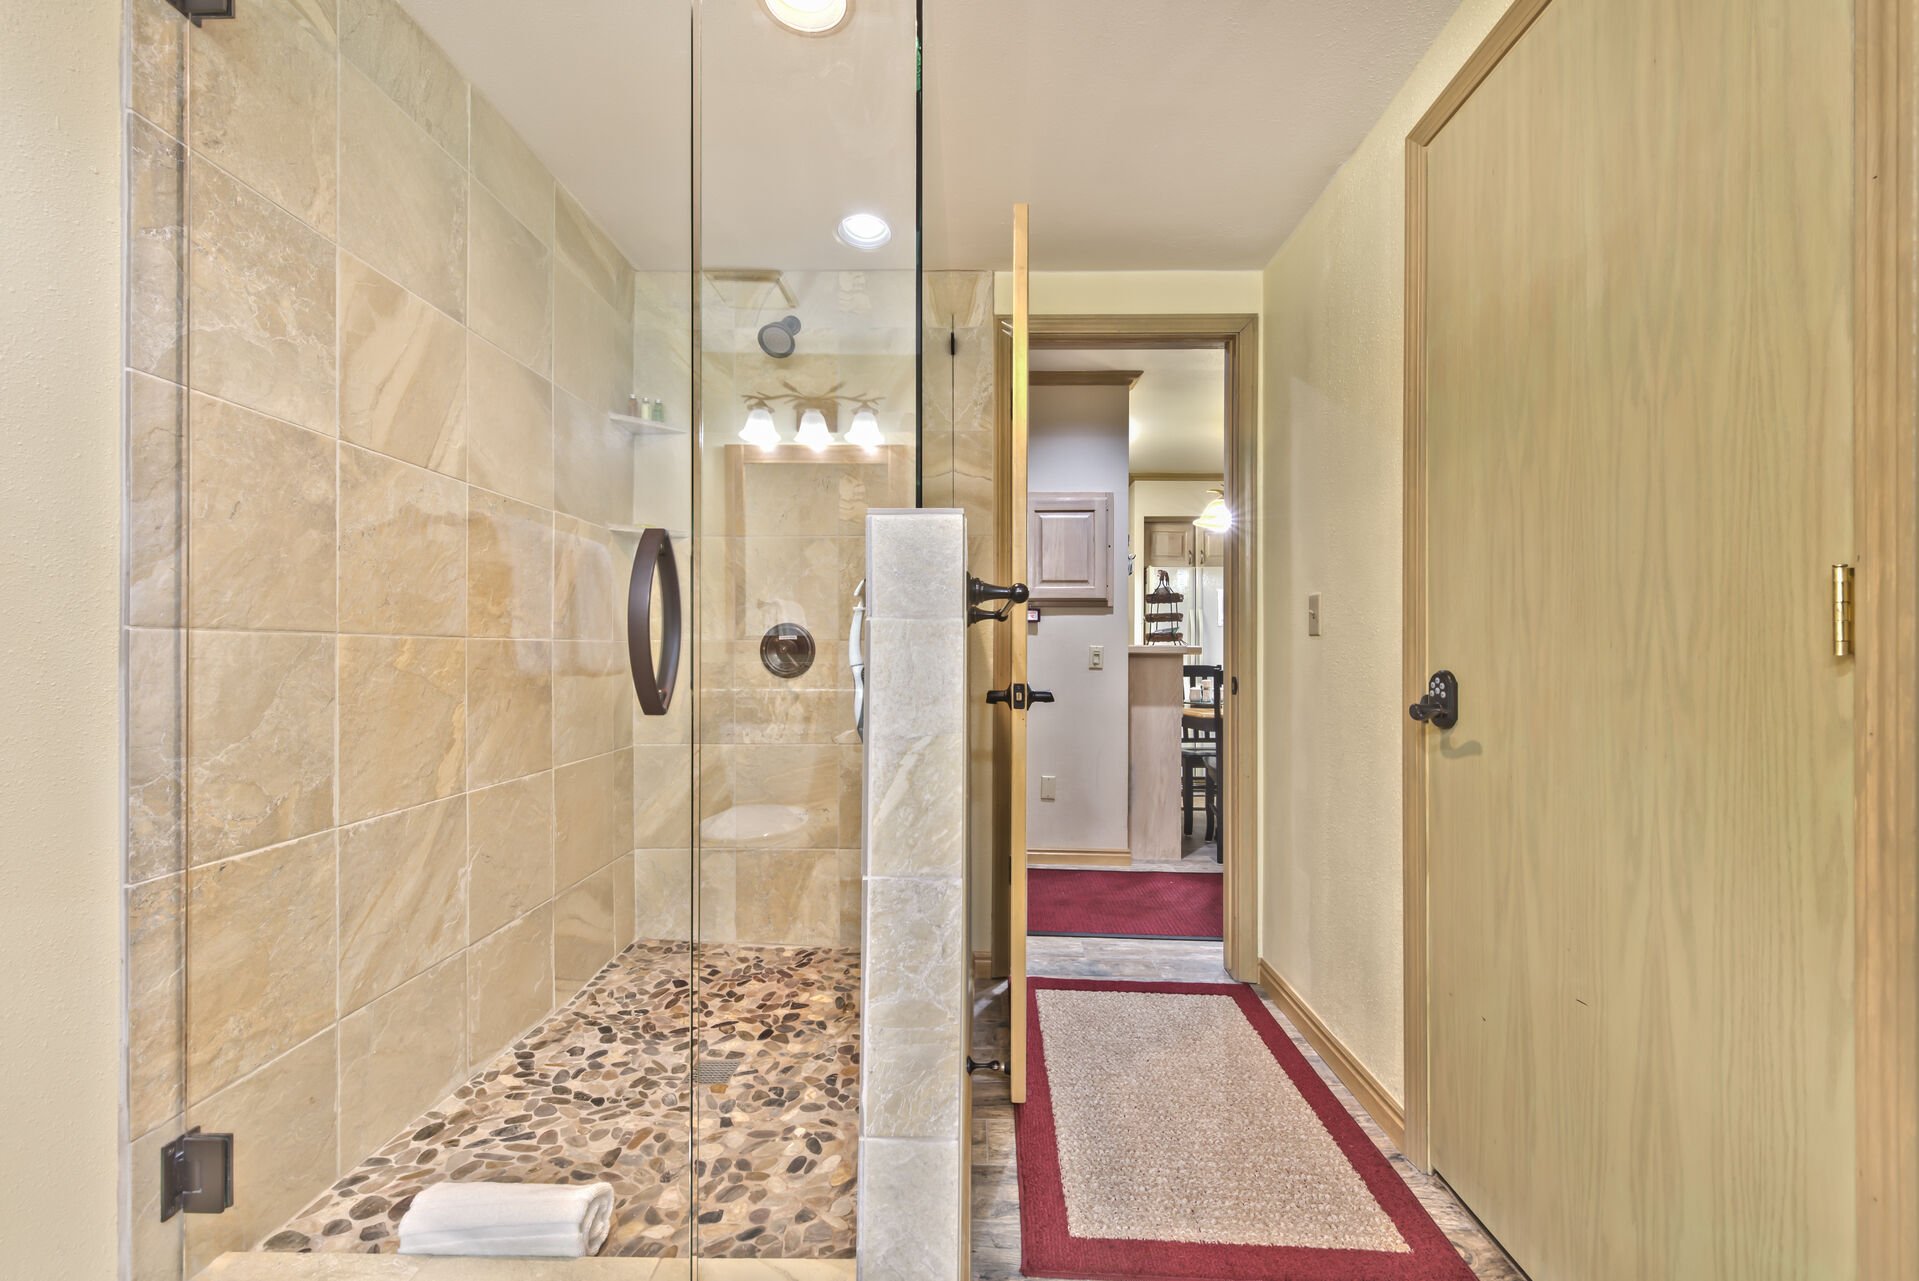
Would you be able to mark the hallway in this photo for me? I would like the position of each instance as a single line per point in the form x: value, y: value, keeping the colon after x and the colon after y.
x: 995, y: 1190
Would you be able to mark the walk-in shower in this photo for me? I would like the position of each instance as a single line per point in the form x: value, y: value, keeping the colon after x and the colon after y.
x: 444, y: 323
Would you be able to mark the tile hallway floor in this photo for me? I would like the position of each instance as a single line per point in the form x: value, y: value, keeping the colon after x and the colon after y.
x: 996, y: 1228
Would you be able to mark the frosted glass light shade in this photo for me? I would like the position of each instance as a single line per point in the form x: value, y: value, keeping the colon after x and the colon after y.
x: 865, y: 431
x: 759, y: 429
x: 813, y: 433
x: 1214, y: 519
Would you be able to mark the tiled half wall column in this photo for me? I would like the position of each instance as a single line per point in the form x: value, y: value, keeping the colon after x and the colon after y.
x: 916, y: 1008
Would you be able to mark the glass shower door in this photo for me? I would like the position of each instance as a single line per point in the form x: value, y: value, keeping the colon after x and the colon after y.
x: 808, y: 373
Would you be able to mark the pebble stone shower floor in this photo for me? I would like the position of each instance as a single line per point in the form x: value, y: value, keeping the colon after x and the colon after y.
x: 603, y: 1090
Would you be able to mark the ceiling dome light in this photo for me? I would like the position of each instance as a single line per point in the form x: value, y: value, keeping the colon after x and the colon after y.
x: 863, y: 231
x: 759, y: 429
x: 813, y: 433
x: 865, y: 431
x: 808, y: 17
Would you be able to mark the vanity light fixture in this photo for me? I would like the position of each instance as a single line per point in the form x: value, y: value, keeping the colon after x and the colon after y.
x: 865, y: 431
x: 809, y: 17
x: 813, y: 433
x: 864, y: 231
x: 759, y: 429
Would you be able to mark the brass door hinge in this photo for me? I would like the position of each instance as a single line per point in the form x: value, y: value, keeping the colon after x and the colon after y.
x: 1842, y: 611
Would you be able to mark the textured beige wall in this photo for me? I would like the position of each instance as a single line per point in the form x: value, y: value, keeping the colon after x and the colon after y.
x: 1330, y: 489
x: 59, y: 556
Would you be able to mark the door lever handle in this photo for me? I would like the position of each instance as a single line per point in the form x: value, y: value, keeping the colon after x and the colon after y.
x: 1018, y: 696
x: 1439, y: 705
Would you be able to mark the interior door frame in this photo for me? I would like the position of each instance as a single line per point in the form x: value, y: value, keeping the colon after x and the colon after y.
x: 1886, y: 674
x: 1238, y: 335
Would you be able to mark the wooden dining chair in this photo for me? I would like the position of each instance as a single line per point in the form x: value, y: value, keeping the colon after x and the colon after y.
x: 1199, y: 747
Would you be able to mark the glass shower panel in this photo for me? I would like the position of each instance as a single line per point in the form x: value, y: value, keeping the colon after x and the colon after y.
x: 808, y: 339
x: 412, y: 874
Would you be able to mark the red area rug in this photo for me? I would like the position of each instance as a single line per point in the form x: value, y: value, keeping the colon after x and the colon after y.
x: 1106, y: 904
x: 1173, y: 1132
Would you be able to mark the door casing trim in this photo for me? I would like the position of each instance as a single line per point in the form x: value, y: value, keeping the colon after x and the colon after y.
x: 1238, y: 335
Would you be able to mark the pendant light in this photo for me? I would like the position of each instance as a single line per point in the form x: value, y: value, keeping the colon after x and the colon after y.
x: 759, y: 429
x: 813, y: 433
x: 865, y: 431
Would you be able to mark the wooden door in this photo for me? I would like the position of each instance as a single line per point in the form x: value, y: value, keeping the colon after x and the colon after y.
x: 1630, y: 354
x: 1016, y: 668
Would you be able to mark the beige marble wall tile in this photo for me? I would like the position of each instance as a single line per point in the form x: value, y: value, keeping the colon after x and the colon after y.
x: 918, y: 927
x: 592, y: 463
x: 402, y: 372
x: 510, y: 710
x: 158, y: 76
x: 803, y: 780
x: 156, y: 441
x: 591, y: 698
x: 264, y: 543
x: 156, y: 975
x: 511, y: 281
x: 793, y: 493
x: 590, y: 578
x: 288, y: 1110
x: 510, y: 170
x: 916, y: 1093
x: 379, y: 38
x: 263, y: 293
x: 402, y: 897
x: 917, y: 810
x: 583, y: 930
x: 775, y: 898
x: 509, y: 428
x: 663, y: 894
x: 260, y: 709
x: 264, y: 90
x: 509, y: 983
x: 402, y: 198
x: 592, y: 815
x: 509, y: 567
x: 912, y: 1191
x: 399, y: 1055
x: 156, y: 710
x: 852, y: 898
x: 402, y: 722
x: 261, y: 977
x: 593, y: 255
x: 402, y: 547
x: 792, y: 580
x: 662, y: 797
x: 782, y: 716
x: 509, y: 846
x: 624, y: 918
x: 592, y: 342
x: 156, y: 251
x: 852, y: 794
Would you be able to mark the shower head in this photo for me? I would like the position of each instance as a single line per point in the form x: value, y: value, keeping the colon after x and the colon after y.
x: 776, y: 339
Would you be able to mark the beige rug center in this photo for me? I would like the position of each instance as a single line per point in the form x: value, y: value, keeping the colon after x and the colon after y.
x: 1175, y: 1123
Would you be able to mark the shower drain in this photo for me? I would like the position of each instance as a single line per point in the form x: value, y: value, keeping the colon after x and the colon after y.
x: 715, y: 1071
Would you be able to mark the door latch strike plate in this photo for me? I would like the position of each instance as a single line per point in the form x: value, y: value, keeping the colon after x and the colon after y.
x: 196, y: 1174
x: 1842, y: 611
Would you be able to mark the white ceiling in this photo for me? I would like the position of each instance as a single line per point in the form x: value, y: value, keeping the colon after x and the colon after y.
x: 1177, y: 408
x: 1146, y: 134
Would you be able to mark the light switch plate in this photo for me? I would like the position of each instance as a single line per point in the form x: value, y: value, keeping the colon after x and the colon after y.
x: 1096, y: 658
x: 1312, y: 614
x: 1048, y: 787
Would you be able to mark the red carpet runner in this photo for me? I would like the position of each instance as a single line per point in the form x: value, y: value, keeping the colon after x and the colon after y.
x: 1173, y: 1132
x: 1159, y: 905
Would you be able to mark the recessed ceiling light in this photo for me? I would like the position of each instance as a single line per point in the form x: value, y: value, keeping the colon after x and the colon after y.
x: 863, y: 231
x: 809, y: 17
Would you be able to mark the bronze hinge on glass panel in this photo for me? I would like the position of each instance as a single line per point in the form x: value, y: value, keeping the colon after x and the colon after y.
x: 196, y: 1174
x: 198, y: 11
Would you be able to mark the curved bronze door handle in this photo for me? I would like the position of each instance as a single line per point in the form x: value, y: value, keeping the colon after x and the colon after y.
x: 653, y: 682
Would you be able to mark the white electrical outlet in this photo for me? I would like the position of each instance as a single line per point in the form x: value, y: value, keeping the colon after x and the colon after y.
x: 1049, y: 787
x: 1096, y: 658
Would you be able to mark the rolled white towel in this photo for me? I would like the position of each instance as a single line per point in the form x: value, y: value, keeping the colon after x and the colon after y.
x: 543, y: 1220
